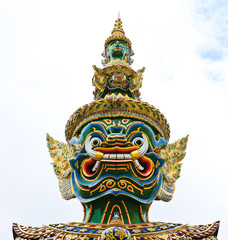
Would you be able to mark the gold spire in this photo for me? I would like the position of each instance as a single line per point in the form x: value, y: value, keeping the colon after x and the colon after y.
x: 118, y: 29
x: 117, y: 33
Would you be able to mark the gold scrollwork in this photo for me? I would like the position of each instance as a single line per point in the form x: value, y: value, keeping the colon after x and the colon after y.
x: 108, y: 183
x: 130, y: 186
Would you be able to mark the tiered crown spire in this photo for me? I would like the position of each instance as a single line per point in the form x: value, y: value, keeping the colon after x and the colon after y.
x: 118, y: 29
x: 117, y: 34
x: 117, y: 90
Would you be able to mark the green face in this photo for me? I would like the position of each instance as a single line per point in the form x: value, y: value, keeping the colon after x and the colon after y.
x: 117, y: 157
x: 117, y: 49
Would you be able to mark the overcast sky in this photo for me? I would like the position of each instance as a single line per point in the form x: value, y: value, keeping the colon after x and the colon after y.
x: 47, y: 49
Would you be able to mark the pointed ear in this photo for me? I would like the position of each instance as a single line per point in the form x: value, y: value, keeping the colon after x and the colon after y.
x: 61, y: 154
x: 173, y: 155
x: 99, y: 78
x: 136, y: 81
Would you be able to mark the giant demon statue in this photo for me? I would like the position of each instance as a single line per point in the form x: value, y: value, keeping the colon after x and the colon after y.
x: 117, y: 159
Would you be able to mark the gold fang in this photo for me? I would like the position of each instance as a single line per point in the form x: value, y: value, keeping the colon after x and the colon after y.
x: 99, y: 155
x: 135, y: 155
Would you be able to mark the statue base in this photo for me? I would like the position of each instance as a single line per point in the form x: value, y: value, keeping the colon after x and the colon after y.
x: 143, y: 231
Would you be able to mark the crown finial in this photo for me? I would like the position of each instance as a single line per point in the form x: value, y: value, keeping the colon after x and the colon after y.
x: 118, y: 29
x: 117, y: 33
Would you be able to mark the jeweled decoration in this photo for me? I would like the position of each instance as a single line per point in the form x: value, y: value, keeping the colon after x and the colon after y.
x: 117, y: 160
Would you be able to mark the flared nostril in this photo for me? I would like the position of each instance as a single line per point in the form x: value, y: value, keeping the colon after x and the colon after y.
x: 116, y: 129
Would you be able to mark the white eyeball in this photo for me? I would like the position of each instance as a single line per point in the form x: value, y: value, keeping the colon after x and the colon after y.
x: 138, y: 141
x: 95, y: 142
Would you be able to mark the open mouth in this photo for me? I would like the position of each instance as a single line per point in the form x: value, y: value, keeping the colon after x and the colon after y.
x: 117, y: 51
x: 117, y: 156
x: 143, y: 165
x: 118, y: 48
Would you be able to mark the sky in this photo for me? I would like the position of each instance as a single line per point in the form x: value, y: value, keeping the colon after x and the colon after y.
x: 47, y: 49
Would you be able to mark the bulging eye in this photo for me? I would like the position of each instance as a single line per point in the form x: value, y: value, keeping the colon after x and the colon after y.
x: 95, y: 142
x: 138, y: 141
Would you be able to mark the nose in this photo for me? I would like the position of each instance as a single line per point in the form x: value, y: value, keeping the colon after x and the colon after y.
x: 116, y: 136
x: 116, y: 139
x: 116, y: 129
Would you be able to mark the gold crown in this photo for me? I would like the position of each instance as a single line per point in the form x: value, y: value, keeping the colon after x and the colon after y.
x: 117, y: 34
x: 116, y: 106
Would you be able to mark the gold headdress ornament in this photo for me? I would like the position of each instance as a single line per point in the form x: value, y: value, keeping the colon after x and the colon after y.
x: 117, y: 106
x: 117, y: 103
x: 117, y: 33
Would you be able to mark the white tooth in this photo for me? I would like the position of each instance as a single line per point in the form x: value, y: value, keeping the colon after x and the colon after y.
x: 144, y: 147
x: 112, y: 156
x: 96, y: 166
x: 127, y: 156
x: 138, y: 165
x: 106, y: 156
x: 119, y: 156
x: 88, y: 148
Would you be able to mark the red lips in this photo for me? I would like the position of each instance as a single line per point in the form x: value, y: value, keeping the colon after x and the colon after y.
x: 116, y: 149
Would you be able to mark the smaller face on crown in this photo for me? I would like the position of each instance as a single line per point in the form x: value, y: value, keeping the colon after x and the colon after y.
x: 117, y: 49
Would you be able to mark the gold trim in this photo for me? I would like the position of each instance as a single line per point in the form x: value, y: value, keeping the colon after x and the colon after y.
x: 135, y: 155
x: 116, y: 106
